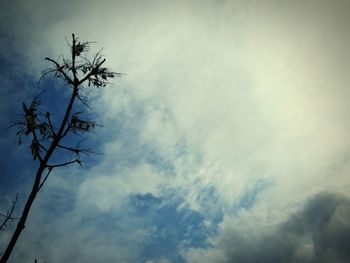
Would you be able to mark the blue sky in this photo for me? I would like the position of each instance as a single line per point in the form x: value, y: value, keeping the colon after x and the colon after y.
x: 226, y: 140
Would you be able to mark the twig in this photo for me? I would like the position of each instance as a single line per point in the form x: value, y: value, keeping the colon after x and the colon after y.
x: 63, y: 164
x: 60, y: 69
x: 8, y: 215
x: 47, y: 175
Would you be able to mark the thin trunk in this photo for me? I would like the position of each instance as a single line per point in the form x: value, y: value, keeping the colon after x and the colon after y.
x: 21, y: 223
x: 23, y: 219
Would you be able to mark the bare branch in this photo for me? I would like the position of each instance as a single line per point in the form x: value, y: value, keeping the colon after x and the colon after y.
x: 83, y: 101
x: 43, y: 181
x: 52, y: 129
x: 59, y: 68
x: 73, y: 68
x: 8, y: 216
x: 76, y: 150
x: 65, y: 132
x: 63, y: 164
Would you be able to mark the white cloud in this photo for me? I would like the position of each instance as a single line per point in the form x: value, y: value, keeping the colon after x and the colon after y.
x: 258, y: 96
x: 228, y: 93
x: 109, y: 190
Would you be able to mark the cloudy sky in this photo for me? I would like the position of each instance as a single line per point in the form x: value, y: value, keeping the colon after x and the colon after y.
x: 226, y: 140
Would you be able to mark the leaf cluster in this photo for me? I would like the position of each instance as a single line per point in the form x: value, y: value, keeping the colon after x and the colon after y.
x: 36, y: 125
x: 80, y: 68
x: 76, y: 71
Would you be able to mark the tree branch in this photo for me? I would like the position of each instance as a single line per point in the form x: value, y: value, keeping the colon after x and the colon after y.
x: 63, y: 164
x: 47, y: 175
x: 75, y: 150
x: 60, y: 69
x: 74, y: 70
x: 92, y: 72
x: 50, y: 124
x: 65, y: 132
x: 8, y: 216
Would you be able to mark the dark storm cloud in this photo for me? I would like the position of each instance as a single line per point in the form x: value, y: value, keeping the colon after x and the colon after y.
x: 318, y: 233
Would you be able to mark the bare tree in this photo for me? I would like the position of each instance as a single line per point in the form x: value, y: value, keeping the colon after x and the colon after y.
x: 49, y: 135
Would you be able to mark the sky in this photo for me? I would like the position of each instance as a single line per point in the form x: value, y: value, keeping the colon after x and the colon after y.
x: 225, y: 140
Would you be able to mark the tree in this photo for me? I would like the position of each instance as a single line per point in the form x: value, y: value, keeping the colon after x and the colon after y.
x: 46, y: 134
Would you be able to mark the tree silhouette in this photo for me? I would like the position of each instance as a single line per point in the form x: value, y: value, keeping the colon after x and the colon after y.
x: 47, y: 135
